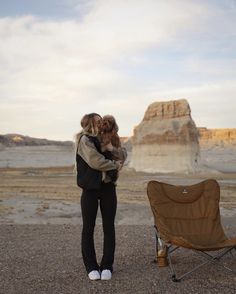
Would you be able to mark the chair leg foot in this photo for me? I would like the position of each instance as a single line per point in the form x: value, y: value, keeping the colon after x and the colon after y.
x: 174, y: 279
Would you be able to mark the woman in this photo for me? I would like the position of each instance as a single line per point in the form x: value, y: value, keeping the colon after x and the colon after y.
x: 97, y: 189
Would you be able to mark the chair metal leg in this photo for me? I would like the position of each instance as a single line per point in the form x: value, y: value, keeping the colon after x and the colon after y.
x: 209, y: 258
x: 173, y: 272
x: 216, y: 259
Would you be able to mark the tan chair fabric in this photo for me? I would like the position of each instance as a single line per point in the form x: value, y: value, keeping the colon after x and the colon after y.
x: 189, y: 216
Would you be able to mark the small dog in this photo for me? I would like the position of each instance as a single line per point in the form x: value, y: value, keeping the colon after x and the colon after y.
x: 108, y: 131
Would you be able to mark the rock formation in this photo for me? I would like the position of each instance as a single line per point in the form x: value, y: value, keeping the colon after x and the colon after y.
x: 209, y: 138
x: 166, y: 140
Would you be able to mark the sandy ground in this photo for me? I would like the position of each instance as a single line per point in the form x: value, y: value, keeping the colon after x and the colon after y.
x: 40, y: 223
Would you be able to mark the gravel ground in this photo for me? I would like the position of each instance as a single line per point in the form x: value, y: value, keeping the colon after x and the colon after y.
x: 47, y: 259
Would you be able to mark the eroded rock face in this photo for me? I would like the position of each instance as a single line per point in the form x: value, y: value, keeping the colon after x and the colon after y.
x: 165, y: 110
x: 217, y: 137
x: 166, y: 140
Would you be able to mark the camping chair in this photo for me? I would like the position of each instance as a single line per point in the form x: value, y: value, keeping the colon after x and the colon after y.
x: 188, y: 217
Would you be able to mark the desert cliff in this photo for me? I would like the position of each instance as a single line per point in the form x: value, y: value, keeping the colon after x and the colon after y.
x: 217, y: 137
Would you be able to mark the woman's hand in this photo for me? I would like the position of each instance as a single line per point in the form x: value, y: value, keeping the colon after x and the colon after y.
x: 119, y: 165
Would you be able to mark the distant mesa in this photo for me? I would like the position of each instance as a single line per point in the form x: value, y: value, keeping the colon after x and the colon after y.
x: 166, y: 140
x: 17, y: 139
x: 11, y: 140
x: 217, y: 138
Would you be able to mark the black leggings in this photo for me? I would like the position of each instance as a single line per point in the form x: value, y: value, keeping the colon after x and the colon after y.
x: 90, y: 199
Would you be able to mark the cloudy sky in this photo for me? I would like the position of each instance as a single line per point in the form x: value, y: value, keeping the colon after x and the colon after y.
x: 60, y: 59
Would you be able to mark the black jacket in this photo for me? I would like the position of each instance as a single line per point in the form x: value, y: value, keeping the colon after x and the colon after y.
x: 87, y: 177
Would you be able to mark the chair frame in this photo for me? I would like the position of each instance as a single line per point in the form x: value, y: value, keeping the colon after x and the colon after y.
x: 209, y: 258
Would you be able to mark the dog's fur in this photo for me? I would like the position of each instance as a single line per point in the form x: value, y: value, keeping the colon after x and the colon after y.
x: 108, y: 130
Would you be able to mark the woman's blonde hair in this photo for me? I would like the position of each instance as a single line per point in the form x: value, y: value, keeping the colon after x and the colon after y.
x: 89, y: 126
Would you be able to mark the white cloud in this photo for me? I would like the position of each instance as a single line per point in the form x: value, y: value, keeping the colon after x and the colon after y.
x: 68, y: 67
x: 212, y: 104
x: 212, y: 67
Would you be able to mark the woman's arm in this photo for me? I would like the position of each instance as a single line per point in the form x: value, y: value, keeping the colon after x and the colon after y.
x: 89, y: 153
x: 119, y: 153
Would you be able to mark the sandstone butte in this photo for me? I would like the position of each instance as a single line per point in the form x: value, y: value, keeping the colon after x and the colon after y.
x: 217, y: 137
x: 166, y: 140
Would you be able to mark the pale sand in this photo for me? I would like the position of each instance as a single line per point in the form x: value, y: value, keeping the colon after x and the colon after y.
x: 50, y: 195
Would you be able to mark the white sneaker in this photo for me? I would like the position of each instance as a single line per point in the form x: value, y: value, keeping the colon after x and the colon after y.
x: 94, y: 275
x: 106, y: 275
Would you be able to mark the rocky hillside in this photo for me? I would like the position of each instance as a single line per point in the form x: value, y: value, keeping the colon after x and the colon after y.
x: 11, y: 140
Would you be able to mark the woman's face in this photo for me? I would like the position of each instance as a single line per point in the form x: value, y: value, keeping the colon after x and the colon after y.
x: 97, y: 121
x: 97, y: 118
